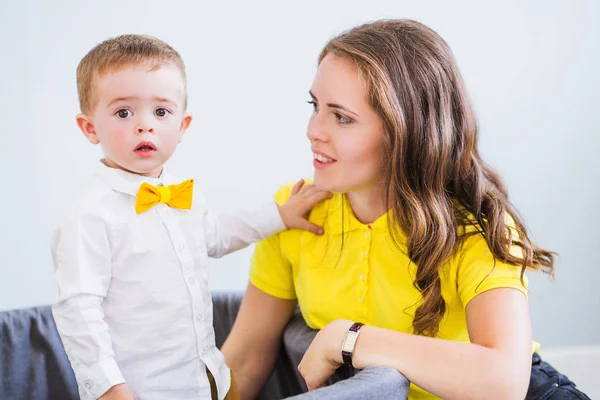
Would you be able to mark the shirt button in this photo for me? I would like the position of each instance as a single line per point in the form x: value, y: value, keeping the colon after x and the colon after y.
x: 191, y: 280
x: 364, y: 254
x: 88, y: 385
x: 204, y: 350
x: 201, y: 316
x: 182, y: 247
x: 367, y: 234
x: 363, y: 277
x: 361, y: 299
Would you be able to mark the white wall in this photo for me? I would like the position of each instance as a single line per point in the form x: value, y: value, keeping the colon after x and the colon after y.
x: 530, y: 66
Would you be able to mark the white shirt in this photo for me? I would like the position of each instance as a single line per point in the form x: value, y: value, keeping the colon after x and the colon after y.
x: 134, y: 304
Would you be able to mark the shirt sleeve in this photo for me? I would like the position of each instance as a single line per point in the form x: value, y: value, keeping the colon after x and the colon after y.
x: 227, y: 233
x: 478, y: 270
x: 82, y: 269
x: 270, y: 270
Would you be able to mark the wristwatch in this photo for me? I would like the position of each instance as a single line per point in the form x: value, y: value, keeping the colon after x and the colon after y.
x: 350, y: 342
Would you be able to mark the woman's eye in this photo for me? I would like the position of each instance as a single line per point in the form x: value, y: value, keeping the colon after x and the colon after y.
x: 161, y: 112
x: 342, y: 119
x: 123, y: 113
x: 313, y: 104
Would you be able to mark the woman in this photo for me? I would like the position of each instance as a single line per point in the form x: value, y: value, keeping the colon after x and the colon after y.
x: 421, y: 242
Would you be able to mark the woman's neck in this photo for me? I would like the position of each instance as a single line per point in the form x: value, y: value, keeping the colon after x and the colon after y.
x: 367, y: 205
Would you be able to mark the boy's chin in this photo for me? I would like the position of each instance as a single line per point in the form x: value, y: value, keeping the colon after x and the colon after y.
x: 152, y: 170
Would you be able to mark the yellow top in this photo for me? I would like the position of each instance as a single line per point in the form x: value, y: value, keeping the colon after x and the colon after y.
x: 356, y: 272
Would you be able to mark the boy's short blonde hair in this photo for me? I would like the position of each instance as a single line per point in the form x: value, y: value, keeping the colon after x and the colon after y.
x: 120, y: 52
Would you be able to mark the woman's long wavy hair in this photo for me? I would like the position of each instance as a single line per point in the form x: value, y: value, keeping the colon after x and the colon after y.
x: 435, y: 178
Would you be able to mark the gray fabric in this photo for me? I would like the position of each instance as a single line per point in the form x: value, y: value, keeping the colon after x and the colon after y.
x: 347, y: 383
x: 371, y: 383
x: 286, y: 382
x: 297, y: 337
x: 33, y: 362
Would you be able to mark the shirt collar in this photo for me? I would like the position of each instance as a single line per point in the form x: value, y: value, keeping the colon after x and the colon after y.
x: 340, y: 218
x: 128, y: 182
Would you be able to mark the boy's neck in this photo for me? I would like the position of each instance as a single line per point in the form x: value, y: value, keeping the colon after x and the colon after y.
x: 112, y: 164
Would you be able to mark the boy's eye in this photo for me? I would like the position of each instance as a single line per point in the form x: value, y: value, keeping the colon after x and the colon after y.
x: 123, y: 113
x: 161, y: 112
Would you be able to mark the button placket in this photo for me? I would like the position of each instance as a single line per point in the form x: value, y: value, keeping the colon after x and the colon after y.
x: 364, y: 263
x: 196, y: 288
x: 177, y: 238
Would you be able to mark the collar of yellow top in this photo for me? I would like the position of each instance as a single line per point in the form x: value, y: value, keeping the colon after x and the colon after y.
x: 338, y: 217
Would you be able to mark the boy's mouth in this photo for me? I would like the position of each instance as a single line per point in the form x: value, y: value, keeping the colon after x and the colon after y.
x: 145, y: 149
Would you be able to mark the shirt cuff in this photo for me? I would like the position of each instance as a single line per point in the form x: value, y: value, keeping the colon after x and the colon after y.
x: 96, y: 379
x: 269, y: 213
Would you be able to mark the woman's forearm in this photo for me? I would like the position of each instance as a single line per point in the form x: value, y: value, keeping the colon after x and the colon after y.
x: 251, y: 369
x: 253, y: 343
x: 445, y: 368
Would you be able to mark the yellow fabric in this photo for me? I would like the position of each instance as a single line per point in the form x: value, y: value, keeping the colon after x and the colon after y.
x: 176, y: 196
x: 356, y: 272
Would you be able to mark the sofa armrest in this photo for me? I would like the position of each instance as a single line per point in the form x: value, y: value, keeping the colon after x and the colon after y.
x: 33, y: 362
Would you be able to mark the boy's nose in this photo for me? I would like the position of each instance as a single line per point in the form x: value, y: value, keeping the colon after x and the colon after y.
x: 144, y: 124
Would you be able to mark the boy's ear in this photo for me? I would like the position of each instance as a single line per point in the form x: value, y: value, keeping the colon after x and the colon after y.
x: 87, y: 128
x: 185, y: 124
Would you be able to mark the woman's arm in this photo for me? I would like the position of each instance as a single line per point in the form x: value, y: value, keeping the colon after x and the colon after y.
x: 252, y: 346
x: 495, y: 365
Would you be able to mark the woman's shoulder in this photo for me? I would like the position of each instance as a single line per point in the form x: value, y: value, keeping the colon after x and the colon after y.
x: 468, y: 224
x: 283, y: 193
x: 319, y: 212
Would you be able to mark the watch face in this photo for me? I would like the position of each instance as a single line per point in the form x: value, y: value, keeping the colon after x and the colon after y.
x: 350, y: 341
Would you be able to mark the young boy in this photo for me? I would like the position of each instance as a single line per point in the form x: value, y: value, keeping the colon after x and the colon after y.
x: 134, y: 309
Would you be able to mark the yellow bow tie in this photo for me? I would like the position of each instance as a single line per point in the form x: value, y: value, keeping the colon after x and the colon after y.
x: 176, y: 196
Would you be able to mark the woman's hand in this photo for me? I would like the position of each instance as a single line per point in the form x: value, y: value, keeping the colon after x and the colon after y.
x: 324, y: 355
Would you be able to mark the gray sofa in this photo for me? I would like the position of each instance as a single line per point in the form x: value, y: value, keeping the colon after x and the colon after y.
x: 34, y: 366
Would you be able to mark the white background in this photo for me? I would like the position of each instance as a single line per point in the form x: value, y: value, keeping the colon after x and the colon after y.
x: 531, y: 68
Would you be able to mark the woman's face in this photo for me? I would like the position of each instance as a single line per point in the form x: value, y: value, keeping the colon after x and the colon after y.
x: 346, y: 134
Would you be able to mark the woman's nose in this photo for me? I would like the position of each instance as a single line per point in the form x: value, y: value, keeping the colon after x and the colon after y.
x: 316, y: 130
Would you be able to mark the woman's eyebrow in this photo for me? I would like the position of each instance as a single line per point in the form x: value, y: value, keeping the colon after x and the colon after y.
x: 334, y: 105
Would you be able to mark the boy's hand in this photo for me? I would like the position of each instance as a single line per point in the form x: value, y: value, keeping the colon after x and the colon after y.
x: 118, y: 392
x: 302, y: 199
